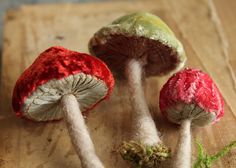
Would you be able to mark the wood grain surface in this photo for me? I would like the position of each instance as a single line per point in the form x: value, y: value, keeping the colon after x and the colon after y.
x: 207, y: 29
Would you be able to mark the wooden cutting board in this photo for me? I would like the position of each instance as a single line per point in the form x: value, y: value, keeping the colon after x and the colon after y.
x: 207, y: 30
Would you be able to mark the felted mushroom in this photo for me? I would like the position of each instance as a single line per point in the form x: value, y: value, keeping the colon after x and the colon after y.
x: 64, y: 84
x: 190, y: 97
x: 139, y: 45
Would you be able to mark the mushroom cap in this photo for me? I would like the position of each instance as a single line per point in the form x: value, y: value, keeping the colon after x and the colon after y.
x: 56, y: 72
x: 141, y: 36
x: 191, y: 94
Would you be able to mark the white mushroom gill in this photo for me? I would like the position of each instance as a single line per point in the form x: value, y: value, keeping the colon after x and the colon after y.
x: 44, y: 103
x: 195, y: 113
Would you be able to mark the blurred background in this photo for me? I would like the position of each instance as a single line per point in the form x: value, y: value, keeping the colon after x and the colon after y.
x: 11, y: 4
x: 6, y: 5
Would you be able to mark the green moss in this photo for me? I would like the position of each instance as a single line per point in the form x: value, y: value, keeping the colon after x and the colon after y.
x: 205, y: 161
x: 143, y: 156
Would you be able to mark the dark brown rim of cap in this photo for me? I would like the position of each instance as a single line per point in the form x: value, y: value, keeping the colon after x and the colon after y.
x: 156, y: 57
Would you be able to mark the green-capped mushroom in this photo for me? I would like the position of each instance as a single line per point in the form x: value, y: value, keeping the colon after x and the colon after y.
x: 140, y: 45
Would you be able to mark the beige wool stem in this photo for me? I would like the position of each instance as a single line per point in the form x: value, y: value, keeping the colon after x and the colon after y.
x: 182, y: 157
x: 79, y: 133
x: 144, y: 127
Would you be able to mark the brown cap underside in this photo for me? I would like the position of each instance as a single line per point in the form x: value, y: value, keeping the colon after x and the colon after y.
x: 156, y: 57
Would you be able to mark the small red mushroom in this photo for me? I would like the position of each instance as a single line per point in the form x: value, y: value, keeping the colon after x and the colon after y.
x: 190, y: 97
x: 64, y: 84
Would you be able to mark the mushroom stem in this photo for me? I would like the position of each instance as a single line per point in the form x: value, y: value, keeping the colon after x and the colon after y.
x: 144, y: 126
x: 146, y: 149
x: 182, y: 157
x: 79, y: 133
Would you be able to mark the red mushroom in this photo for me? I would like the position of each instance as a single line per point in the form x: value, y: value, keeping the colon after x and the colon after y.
x: 64, y: 84
x: 190, y: 97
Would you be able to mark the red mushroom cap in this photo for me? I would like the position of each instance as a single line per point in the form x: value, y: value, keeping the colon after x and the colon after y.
x: 54, y: 64
x: 188, y: 90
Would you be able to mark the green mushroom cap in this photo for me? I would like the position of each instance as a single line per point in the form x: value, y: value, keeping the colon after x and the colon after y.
x: 141, y: 36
